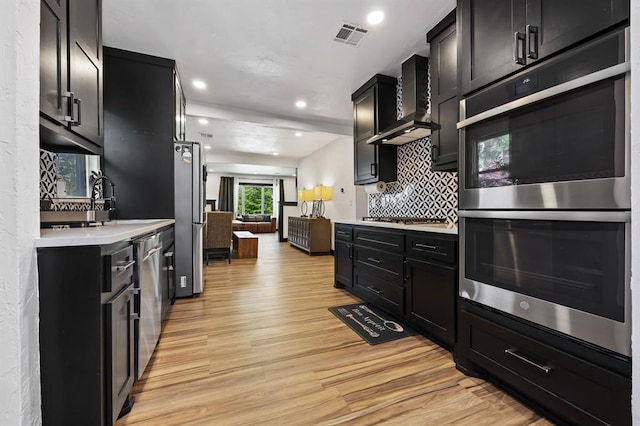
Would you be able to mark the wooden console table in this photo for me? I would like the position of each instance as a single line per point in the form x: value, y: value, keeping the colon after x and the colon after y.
x: 312, y: 235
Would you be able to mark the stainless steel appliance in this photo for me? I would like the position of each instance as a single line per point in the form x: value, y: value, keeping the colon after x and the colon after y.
x: 565, y: 270
x: 190, y: 217
x: 555, y: 136
x: 167, y: 277
x: 148, y: 254
x: 544, y: 218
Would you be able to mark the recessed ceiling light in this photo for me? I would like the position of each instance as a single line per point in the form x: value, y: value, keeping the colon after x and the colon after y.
x: 203, y: 121
x: 211, y: 170
x: 275, y: 153
x: 298, y: 134
x: 199, y: 84
x: 207, y: 147
x: 301, y: 104
x: 375, y: 17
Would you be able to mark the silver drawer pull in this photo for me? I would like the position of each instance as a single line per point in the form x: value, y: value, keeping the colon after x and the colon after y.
x: 428, y: 247
x: 375, y: 290
x: 123, y: 267
x: 513, y: 352
x: 135, y: 316
x: 374, y: 260
x: 168, y: 254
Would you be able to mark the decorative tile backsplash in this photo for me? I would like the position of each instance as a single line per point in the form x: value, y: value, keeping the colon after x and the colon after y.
x: 49, y: 186
x: 419, y: 191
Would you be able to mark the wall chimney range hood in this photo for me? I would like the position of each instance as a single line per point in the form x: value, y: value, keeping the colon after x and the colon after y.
x: 416, y: 121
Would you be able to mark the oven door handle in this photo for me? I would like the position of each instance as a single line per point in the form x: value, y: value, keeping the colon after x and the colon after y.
x: 578, y: 216
x: 595, y: 77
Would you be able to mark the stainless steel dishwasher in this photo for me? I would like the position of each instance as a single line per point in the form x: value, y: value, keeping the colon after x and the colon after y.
x: 148, y: 259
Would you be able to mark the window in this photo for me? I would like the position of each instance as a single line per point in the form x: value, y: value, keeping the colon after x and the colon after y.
x: 74, y: 173
x: 255, y: 199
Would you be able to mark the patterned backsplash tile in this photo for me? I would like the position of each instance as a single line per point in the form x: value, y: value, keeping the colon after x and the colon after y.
x: 49, y: 186
x: 419, y: 191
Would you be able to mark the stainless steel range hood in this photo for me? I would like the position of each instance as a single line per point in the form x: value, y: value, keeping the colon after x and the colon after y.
x: 416, y: 121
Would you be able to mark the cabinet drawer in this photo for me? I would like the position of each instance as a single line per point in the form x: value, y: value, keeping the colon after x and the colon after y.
x: 120, y: 266
x: 380, y: 292
x: 384, y: 240
x: 385, y: 265
x: 344, y: 232
x: 431, y: 246
x: 578, y: 391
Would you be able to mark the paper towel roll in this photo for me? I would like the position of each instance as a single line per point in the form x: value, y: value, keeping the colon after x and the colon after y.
x: 375, y: 188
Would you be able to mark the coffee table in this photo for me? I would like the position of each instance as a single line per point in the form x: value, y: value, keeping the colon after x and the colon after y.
x: 246, y: 244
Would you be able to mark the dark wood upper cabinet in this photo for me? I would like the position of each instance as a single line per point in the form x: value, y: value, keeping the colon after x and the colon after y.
x: 142, y: 114
x: 499, y: 37
x: 71, y: 110
x: 374, y: 109
x: 444, y: 94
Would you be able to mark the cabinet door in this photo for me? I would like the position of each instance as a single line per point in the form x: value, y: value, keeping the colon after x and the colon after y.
x: 366, y: 164
x: 444, y: 100
x: 85, y: 73
x: 119, y: 350
x: 488, y: 41
x: 431, y: 295
x: 53, y: 59
x: 344, y: 264
x: 364, y: 115
x: 553, y: 25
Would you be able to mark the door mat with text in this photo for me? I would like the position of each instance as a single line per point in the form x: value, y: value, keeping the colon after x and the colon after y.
x: 372, y: 324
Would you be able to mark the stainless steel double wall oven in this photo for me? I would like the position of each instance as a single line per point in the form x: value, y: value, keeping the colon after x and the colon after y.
x: 545, y: 194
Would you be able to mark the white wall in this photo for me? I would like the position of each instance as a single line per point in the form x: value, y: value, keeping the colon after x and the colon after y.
x: 635, y: 209
x: 332, y: 166
x: 19, y: 220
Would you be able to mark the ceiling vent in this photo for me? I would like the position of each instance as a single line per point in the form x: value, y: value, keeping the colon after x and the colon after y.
x: 350, y: 34
x: 206, y: 135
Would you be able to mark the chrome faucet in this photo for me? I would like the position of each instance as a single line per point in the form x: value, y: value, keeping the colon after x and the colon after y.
x: 112, y: 199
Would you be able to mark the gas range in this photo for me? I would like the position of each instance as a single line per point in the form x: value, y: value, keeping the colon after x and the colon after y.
x: 405, y: 220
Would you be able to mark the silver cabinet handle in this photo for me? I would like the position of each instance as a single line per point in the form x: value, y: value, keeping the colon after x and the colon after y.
x: 121, y: 268
x: 135, y: 316
x: 152, y: 252
x: 513, y: 352
x: 168, y: 254
x: 374, y: 260
x: 426, y: 246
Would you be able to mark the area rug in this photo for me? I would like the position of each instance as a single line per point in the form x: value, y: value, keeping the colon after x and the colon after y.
x: 370, y: 323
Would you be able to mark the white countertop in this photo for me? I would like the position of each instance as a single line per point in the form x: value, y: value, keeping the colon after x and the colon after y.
x: 441, y: 228
x: 111, y: 232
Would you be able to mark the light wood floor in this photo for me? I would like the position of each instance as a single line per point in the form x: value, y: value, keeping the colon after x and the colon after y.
x: 259, y: 347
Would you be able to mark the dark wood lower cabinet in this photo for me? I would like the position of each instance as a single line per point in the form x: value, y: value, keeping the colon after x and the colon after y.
x: 86, y: 333
x: 566, y: 380
x: 431, y: 296
x: 343, y: 264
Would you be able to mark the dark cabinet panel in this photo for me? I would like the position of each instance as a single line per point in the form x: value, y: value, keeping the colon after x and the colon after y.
x: 53, y: 66
x: 381, y: 292
x: 431, y: 295
x: 138, y: 147
x: 385, y: 265
x: 343, y: 263
x: 383, y: 239
x: 444, y: 94
x: 553, y: 25
x: 71, y: 76
x: 499, y: 37
x: 571, y: 388
x: 374, y: 108
x: 120, y: 349
x: 488, y: 31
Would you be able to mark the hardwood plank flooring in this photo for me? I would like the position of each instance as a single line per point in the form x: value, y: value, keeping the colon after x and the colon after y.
x: 259, y: 347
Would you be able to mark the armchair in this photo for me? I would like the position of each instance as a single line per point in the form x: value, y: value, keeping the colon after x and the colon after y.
x: 218, y: 234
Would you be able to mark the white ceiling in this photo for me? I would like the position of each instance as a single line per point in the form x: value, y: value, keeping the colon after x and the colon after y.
x: 258, y: 57
x: 250, y: 169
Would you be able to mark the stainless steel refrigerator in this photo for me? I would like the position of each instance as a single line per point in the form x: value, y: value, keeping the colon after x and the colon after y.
x: 189, y: 191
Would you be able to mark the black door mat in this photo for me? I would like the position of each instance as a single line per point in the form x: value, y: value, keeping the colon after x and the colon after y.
x: 370, y: 323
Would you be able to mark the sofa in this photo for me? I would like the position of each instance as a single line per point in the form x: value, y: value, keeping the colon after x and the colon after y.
x: 257, y: 224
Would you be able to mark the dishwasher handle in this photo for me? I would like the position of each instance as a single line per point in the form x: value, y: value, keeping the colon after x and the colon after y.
x: 152, y: 252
